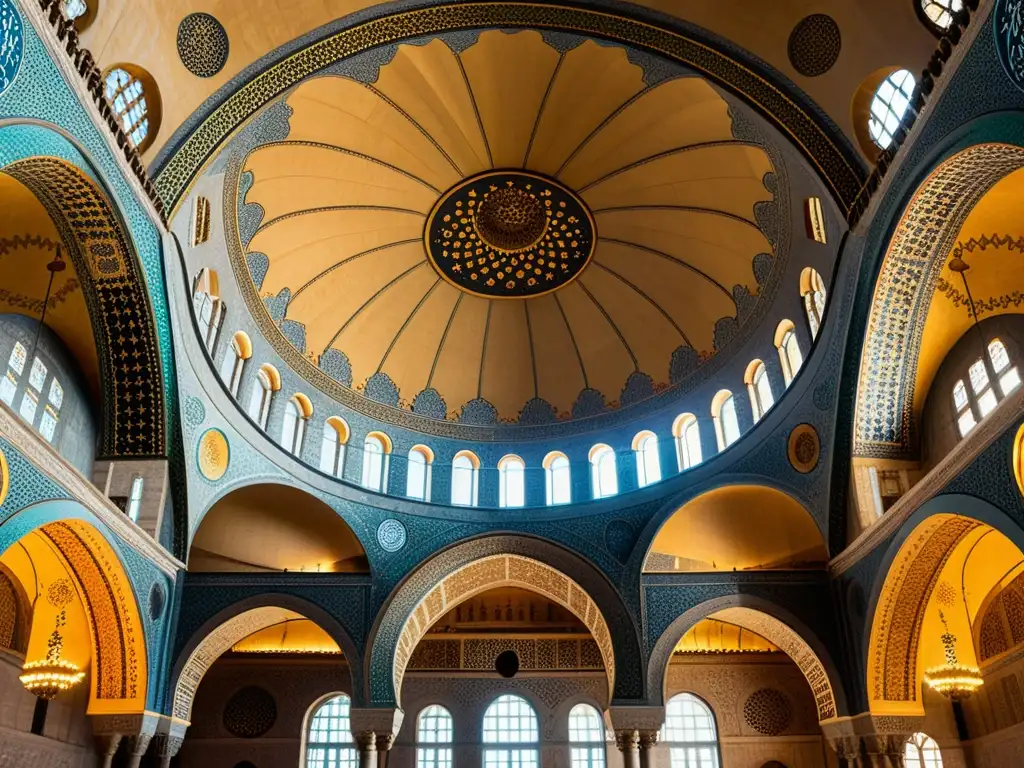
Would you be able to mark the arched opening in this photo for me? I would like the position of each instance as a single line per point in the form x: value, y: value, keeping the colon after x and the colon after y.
x: 332, y: 446
x: 586, y: 737
x: 604, y: 475
x: 208, y: 307
x: 376, y: 461
x: 297, y: 413
x: 233, y: 364
x: 790, y: 355
x: 465, y: 479
x: 511, y: 481
x: 328, y: 735
x: 268, y: 381
x: 723, y: 413
x: 737, y: 527
x: 759, y: 389
x: 307, y: 534
x: 690, y: 732
x: 557, y: 478
x: 434, y: 735
x: 687, y: 437
x: 648, y: 460
x: 812, y: 291
x: 511, y: 733
x: 133, y: 96
x: 418, y: 471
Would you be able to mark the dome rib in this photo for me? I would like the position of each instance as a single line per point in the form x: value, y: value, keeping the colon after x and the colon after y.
x: 600, y: 126
x: 687, y: 208
x: 405, y: 324
x: 572, y: 338
x: 533, y: 351
x: 350, y: 259
x: 476, y: 110
x: 671, y: 258
x: 332, y: 209
x: 444, y: 338
x: 540, y: 112
x: 603, y: 311
x: 649, y: 300
x: 370, y: 301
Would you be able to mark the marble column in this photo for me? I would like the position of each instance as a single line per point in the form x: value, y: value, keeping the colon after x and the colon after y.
x: 106, y: 748
x: 137, y: 746
x: 648, y: 740
x: 166, y: 747
x: 628, y: 742
x: 366, y: 742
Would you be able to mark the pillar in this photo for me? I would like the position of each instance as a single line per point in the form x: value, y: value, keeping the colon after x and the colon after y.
x: 165, y: 747
x: 137, y: 746
x: 628, y: 742
x: 648, y: 740
x: 366, y: 743
x: 374, y: 731
x: 106, y: 748
x: 636, y: 733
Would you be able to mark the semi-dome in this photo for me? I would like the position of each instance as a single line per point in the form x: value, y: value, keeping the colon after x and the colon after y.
x: 503, y: 227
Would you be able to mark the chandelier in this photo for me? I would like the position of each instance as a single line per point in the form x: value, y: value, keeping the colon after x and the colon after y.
x: 953, y: 680
x: 53, y: 675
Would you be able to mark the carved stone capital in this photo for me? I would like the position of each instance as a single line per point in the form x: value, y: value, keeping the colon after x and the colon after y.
x: 378, y: 721
x: 366, y: 741
x: 627, y: 740
x: 637, y: 718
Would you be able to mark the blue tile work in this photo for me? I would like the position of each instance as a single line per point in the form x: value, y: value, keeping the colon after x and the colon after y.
x: 40, y: 93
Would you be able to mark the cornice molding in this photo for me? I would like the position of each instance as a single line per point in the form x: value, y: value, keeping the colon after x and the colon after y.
x: 956, y: 461
x: 44, y: 458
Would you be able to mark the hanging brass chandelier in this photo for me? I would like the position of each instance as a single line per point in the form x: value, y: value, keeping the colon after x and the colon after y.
x: 953, y: 680
x: 46, y: 678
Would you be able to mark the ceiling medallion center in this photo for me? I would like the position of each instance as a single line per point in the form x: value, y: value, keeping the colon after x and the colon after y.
x: 509, y: 234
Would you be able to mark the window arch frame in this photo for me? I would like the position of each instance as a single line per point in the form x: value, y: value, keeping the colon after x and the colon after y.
x: 437, y: 755
x: 209, y: 309
x: 1007, y: 375
x: 983, y: 392
x: 594, y: 749
x: 686, y: 431
x: 348, y: 755
x: 507, y: 482
x: 266, y: 383
x: 332, y: 461
x: 528, y: 750
x: 790, y: 355
x: 723, y: 413
x: 233, y: 363
x: 428, y: 460
x: 552, y: 484
x: 815, y: 297
x: 473, y: 498
x: 919, y: 742
x: 298, y: 411
x: 603, y: 486
x: 759, y: 389
x: 375, y: 478
x: 148, y: 93
x: 880, y: 107
x: 647, y: 454
x: 936, y: 25
x: 711, y: 746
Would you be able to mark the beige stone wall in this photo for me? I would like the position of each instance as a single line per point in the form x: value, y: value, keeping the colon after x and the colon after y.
x: 67, y: 738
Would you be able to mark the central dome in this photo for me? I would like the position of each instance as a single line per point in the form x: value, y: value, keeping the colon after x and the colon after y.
x: 499, y: 227
x: 509, y: 234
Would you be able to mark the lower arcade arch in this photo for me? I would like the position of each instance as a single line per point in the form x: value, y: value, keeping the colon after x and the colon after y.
x: 81, y: 602
x: 764, y: 620
x: 941, y: 584
x: 469, y: 569
x: 249, y: 626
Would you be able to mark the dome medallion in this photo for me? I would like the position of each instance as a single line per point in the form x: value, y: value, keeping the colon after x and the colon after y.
x: 509, y: 234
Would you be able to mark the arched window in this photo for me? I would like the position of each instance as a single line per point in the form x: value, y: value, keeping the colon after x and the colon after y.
x: 759, y: 388
x: 511, y: 482
x: 812, y: 289
x: 922, y: 752
x: 200, y: 221
x: 131, y: 93
x: 234, y: 361
x: 51, y: 411
x: 687, y: 435
x: 332, y: 446
x: 604, y: 478
x: 648, y: 463
x: 982, y: 388
x: 329, y: 740
x: 789, y: 350
x: 723, y: 411
x: 268, y: 381
x: 889, y: 105
x: 417, y: 473
x: 557, y: 478
x: 376, y: 456
x: 964, y: 415
x: 689, y: 732
x: 293, y: 428
x: 465, y: 479
x: 586, y: 734
x: 135, y: 499
x: 1009, y: 378
x: 940, y: 12
x: 434, y: 738
x: 511, y: 723
x: 15, y: 367
x: 208, y: 307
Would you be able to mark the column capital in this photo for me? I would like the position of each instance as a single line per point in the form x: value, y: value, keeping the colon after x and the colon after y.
x: 627, y: 740
x: 383, y: 722
x: 366, y: 741
x: 649, y: 738
x: 637, y: 718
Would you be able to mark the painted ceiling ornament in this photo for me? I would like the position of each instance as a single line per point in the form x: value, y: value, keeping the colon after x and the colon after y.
x: 1008, y: 21
x: 202, y: 44
x: 509, y: 234
x: 391, y: 535
x: 12, y: 43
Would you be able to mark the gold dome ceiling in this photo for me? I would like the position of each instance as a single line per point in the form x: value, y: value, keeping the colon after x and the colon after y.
x: 353, y: 221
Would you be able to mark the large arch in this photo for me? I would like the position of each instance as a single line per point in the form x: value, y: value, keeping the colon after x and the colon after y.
x: 231, y: 625
x: 463, y: 570
x: 912, y: 566
x: 916, y: 252
x: 127, y: 340
x: 119, y: 679
x: 771, y: 622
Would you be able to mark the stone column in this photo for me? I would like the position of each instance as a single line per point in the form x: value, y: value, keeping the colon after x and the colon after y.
x: 385, y: 741
x: 137, y: 746
x: 886, y: 750
x: 110, y: 730
x: 374, y: 731
x: 106, y: 748
x: 847, y: 749
x: 166, y: 747
x: 648, y: 740
x: 628, y: 742
x: 366, y: 742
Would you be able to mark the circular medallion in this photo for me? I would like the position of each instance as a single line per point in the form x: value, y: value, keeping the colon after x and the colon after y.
x: 213, y: 454
x: 202, y: 44
x: 1008, y: 25
x: 250, y: 713
x: 391, y: 535
x: 12, y: 43
x: 804, y: 448
x: 814, y: 45
x: 509, y: 235
x: 157, y: 599
x: 768, y: 712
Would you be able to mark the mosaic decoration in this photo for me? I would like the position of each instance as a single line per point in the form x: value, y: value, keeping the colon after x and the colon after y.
x: 509, y: 235
x: 213, y: 454
x: 768, y: 711
x: 804, y: 448
x: 9, y: 611
x: 12, y: 44
x: 118, y: 302
x: 250, y: 713
x: 5, y: 478
x: 983, y: 305
x: 899, y: 614
x: 1008, y: 22
x: 480, y: 654
x: 1002, y: 621
x: 202, y: 44
x: 837, y: 166
x: 391, y: 535
x: 814, y: 45
x: 908, y: 278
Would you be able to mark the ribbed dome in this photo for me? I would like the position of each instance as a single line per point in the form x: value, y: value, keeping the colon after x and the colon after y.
x: 664, y: 239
